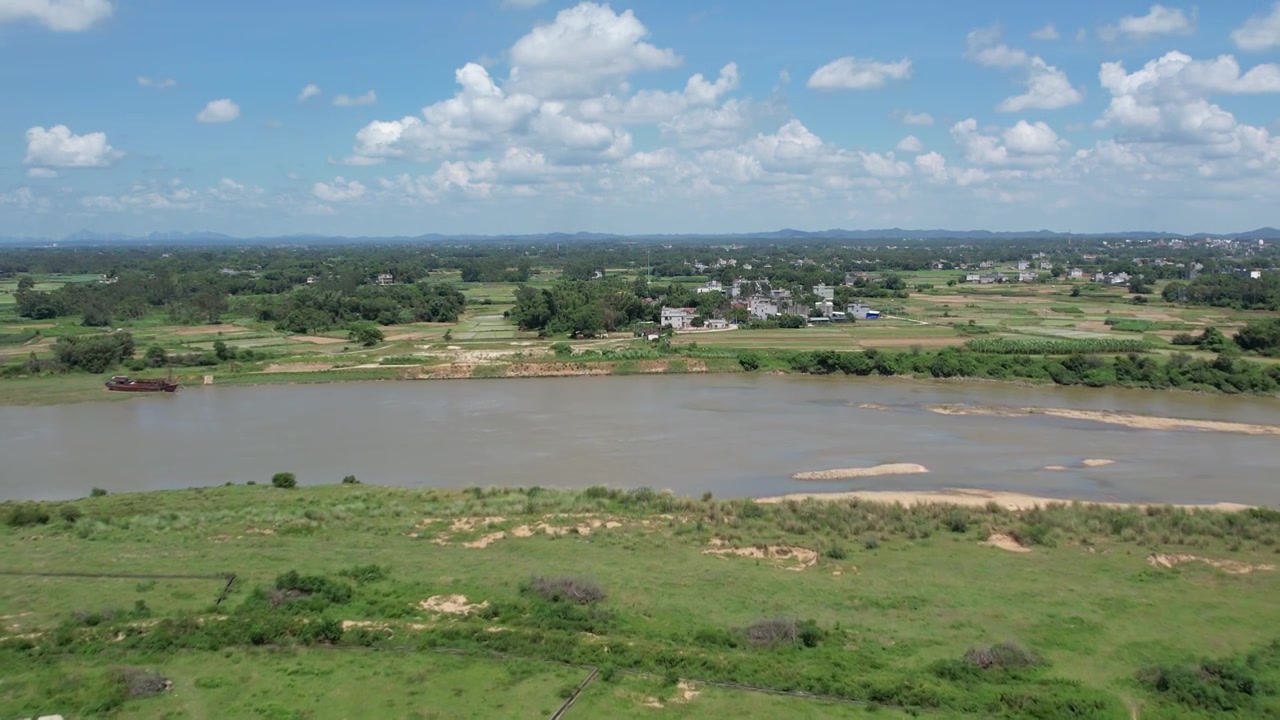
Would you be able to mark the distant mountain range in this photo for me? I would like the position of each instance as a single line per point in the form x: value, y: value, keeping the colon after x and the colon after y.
x: 88, y: 237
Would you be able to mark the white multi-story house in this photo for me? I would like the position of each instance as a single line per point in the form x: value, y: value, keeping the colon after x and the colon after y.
x: 678, y: 318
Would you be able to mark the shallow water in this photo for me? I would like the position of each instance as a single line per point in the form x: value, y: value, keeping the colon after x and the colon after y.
x: 733, y: 435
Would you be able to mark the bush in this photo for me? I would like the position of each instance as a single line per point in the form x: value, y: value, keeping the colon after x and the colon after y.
x: 565, y: 588
x: 749, y: 360
x: 773, y: 632
x: 366, y: 573
x: 26, y: 515
x: 139, y: 683
x: 350, y: 480
x: 97, y: 492
x: 837, y: 552
x: 870, y: 541
x: 1008, y: 655
x: 292, y: 586
x: 70, y: 513
x: 285, y: 480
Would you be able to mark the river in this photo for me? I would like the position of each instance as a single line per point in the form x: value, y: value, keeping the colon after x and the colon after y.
x: 732, y: 435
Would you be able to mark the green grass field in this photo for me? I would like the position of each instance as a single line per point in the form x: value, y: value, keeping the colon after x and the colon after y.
x: 888, y: 601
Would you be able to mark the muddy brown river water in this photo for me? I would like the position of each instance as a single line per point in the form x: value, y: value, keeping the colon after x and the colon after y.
x: 732, y: 435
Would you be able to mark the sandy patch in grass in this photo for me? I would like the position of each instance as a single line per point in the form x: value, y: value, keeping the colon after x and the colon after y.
x: 687, y: 691
x: 468, y: 524
x: 485, y: 541
x: 1005, y: 542
x: 1097, y: 462
x: 318, y: 340
x: 966, y: 497
x: 260, y: 531
x: 874, y: 471
x: 1140, y: 422
x: 801, y: 557
x: 451, y: 605
x: 297, y: 367
x: 1233, y: 567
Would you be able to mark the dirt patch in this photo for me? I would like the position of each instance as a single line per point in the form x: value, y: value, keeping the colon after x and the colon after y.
x: 875, y: 471
x: 297, y: 367
x: 557, y: 369
x: 873, y: 406
x: 1097, y: 462
x: 318, y: 340
x: 451, y: 605
x: 1233, y: 567
x: 653, y: 702
x: 686, y: 691
x: 260, y: 531
x: 1139, y: 422
x: 485, y: 541
x: 789, y: 557
x: 1055, y: 467
x: 1005, y: 542
x: 468, y: 524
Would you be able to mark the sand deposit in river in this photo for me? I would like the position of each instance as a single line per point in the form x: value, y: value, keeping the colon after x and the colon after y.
x: 1130, y: 420
x: 967, y: 498
x: 860, y: 472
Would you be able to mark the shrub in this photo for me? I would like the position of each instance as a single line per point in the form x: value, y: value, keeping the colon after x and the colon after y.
x: 870, y: 541
x: 837, y: 552
x: 565, y: 588
x: 97, y: 492
x: 1008, y: 655
x: 773, y: 632
x: 292, y: 586
x: 70, y: 513
x: 957, y: 521
x: 366, y: 573
x: 26, y: 515
x: 749, y: 361
x: 325, y: 630
x: 285, y: 480
x: 350, y: 480
x: 139, y: 683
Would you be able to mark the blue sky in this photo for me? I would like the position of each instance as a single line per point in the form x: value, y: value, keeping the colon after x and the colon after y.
x: 508, y: 116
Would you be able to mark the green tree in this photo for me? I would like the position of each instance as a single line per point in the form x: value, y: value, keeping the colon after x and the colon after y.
x: 366, y: 334
x: 222, y: 351
x: 1261, y: 336
x: 284, y: 480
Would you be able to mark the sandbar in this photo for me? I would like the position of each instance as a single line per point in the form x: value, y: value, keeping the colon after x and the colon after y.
x: 874, y: 471
x: 1130, y: 420
x: 966, y: 497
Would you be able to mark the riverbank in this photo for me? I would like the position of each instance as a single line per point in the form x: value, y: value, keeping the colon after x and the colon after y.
x: 1084, y: 593
x: 972, y: 498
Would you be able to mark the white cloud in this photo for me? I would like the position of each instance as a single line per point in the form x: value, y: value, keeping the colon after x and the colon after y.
x: 39, y: 172
x: 586, y: 50
x: 1167, y: 99
x: 1159, y: 20
x: 58, y: 15
x: 850, y: 73
x: 219, y: 111
x: 340, y: 190
x: 1048, y: 32
x: 1259, y: 32
x: 933, y: 166
x: 910, y: 143
x: 308, y: 92
x: 59, y: 147
x: 1033, y: 139
x: 157, y: 83
x: 368, y: 98
x: 1048, y: 88
x: 913, y: 118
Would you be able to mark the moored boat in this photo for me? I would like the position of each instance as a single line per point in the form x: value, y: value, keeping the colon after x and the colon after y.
x: 122, y: 383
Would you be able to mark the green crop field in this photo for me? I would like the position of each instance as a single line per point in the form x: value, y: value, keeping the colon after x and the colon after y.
x: 1103, y: 613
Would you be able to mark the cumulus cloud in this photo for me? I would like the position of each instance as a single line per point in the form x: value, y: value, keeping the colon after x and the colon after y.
x: 1033, y: 139
x: 1048, y: 32
x: 57, y: 15
x: 1260, y: 32
x: 913, y: 118
x: 340, y: 190
x: 1159, y: 20
x: 910, y: 143
x: 850, y: 73
x: 219, y: 111
x: 1024, y: 144
x: 1047, y: 87
x: 308, y: 92
x: 157, y: 83
x: 342, y: 100
x: 59, y: 147
x: 587, y: 49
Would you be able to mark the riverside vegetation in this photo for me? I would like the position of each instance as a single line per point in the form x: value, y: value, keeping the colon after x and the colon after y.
x: 351, y: 599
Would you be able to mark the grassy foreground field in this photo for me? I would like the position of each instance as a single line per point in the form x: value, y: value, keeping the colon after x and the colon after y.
x: 355, y: 600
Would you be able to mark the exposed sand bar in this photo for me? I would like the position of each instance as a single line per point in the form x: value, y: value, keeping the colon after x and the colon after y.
x: 1141, y: 422
x: 875, y: 471
x: 971, y: 498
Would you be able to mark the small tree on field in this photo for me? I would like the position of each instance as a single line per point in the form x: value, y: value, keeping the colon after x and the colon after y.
x: 284, y: 480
